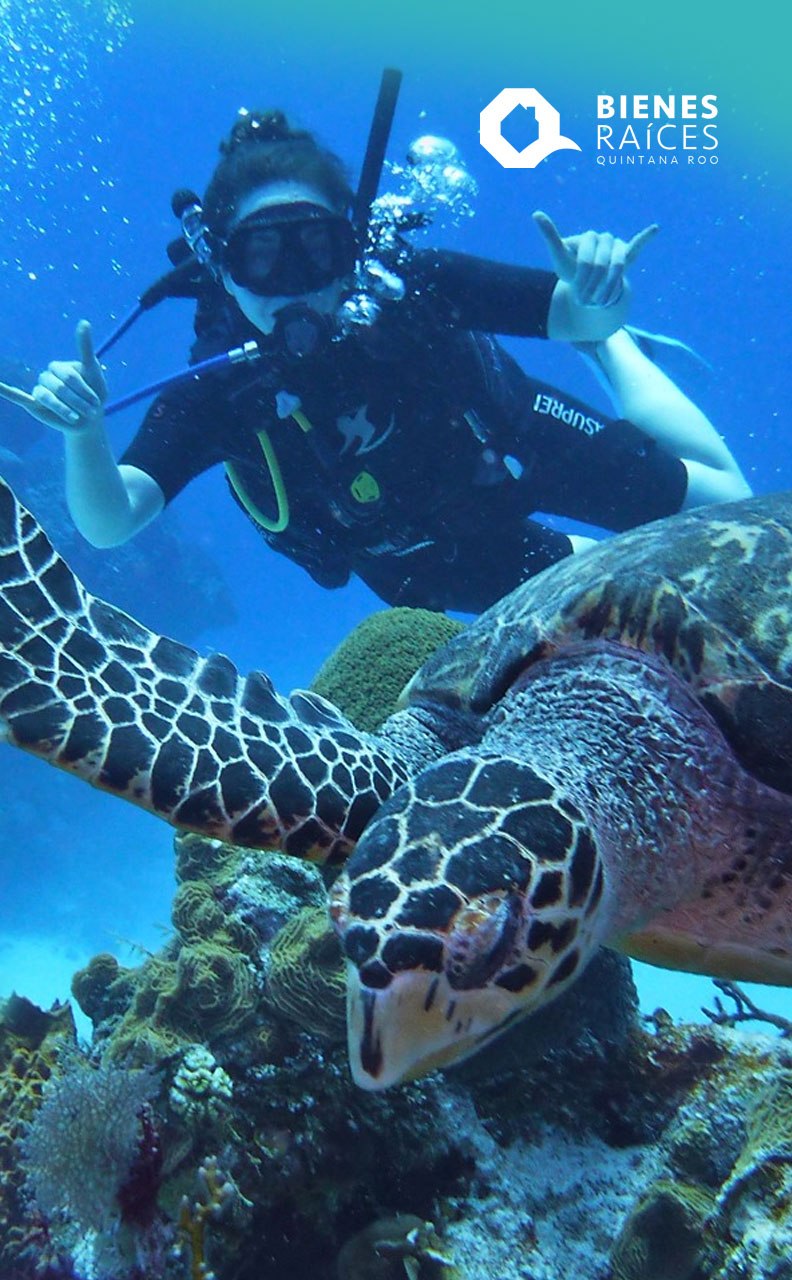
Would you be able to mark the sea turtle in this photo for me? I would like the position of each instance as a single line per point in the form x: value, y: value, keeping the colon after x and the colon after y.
x: 604, y: 757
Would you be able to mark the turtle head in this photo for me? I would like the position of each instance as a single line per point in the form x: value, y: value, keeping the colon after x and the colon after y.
x: 471, y: 900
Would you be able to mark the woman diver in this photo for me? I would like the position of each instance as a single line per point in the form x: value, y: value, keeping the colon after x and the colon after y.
x: 404, y: 445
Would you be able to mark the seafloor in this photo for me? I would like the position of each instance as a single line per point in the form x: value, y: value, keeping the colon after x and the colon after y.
x: 214, y: 1129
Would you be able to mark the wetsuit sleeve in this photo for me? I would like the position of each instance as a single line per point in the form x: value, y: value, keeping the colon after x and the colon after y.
x: 581, y: 464
x: 476, y: 293
x: 180, y: 436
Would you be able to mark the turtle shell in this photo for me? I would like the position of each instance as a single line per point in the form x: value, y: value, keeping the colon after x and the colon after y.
x: 708, y: 591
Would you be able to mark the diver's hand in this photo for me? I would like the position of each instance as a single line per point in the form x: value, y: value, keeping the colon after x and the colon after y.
x: 73, y: 392
x: 69, y: 394
x: 592, y: 264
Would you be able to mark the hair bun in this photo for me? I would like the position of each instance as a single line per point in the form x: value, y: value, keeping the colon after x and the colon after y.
x: 260, y: 126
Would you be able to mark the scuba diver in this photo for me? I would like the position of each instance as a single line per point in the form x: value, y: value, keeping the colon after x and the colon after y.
x: 384, y: 431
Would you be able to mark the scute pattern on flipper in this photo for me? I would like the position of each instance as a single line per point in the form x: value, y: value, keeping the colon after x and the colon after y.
x: 90, y: 690
x: 708, y: 591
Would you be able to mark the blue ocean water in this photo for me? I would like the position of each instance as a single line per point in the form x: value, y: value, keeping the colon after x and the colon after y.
x: 107, y: 108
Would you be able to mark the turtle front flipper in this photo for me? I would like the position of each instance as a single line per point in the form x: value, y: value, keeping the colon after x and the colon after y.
x: 92, y: 691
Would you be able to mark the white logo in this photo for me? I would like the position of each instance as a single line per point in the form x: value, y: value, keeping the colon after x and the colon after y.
x: 547, y: 118
x: 360, y: 435
x: 543, y: 403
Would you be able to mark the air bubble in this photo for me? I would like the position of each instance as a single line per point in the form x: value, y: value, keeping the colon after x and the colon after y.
x: 46, y: 47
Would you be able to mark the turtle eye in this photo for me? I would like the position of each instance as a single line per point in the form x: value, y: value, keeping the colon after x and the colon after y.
x: 481, y: 939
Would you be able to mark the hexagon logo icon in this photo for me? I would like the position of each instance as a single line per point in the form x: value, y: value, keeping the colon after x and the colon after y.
x: 548, y: 120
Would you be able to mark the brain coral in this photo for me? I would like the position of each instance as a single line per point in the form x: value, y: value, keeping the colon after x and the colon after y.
x: 213, y: 993
x: 195, y: 912
x: 369, y: 669
x: 306, y: 980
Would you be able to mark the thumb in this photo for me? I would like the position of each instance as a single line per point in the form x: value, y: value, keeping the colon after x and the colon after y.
x: 91, y: 368
x: 85, y: 344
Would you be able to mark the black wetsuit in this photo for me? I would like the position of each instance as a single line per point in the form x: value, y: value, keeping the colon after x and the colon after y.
x: 428, y: 448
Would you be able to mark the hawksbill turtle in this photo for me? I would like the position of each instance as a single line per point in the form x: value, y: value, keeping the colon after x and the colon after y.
x: 604, y: 757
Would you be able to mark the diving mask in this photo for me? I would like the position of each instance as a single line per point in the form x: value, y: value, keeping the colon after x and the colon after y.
x: 288, y: 250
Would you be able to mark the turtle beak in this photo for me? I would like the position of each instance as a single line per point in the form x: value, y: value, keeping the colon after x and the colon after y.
x: 418, y: 1024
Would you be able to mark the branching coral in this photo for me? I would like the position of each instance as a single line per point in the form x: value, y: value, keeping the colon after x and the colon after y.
x: 744, y: 1010
x: 216, y: 1194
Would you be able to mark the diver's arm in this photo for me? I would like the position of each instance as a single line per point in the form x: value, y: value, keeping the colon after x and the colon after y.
x: 108, y: 503
x: 585, y: 300
x: 645, y: 396
x: 569, y: 320
x: 462, y: 291
x: 468, y: 292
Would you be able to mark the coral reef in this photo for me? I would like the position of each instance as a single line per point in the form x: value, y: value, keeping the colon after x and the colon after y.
x: 264, y: 1162
x: 751, y: 1229
x: 676, y: 1142
x: 208, y: 983
x: 369, y: 669
x: 392, y: 1248
x: 81, y: 1144
x: 201, y: 1091
x: 30, y: 1042
x: 720, y: 1205
x: 306, y: 975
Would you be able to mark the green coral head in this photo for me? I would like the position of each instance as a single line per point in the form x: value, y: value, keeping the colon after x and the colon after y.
x: 367, y: 673
x: 471, y: 900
